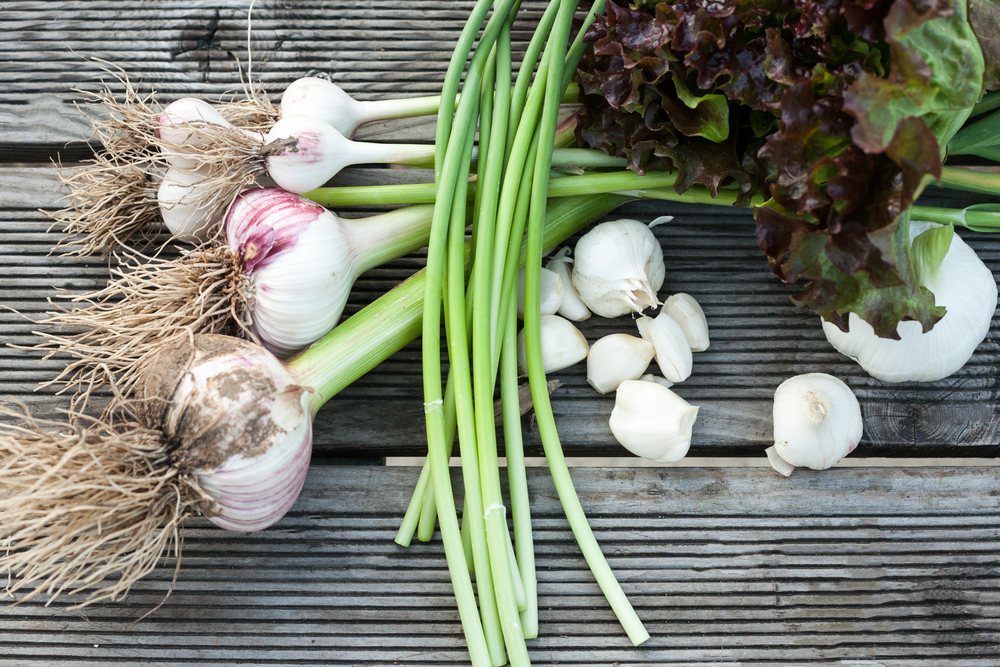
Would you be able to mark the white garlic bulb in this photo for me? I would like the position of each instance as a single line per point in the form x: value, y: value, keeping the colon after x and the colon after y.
x: 183, y: 207
x: 964, y: 286
x: 552, y: 292
x: 688, y: 313
x: 616, y: 358
x: 618, y: 268
x: 562, y: 345
x: 234, y: 418
x: 180, y: 126
x: 312, y: 96
x: 670, y: 345
x: 817, y: 422
x: 652, y: 421
x: 572, y: 308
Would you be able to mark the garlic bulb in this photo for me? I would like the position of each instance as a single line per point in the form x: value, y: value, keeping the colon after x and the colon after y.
x: 562, y: 345
x: 618, y: 268
x: 185, y: 211
x: 616, y: 358
x: 817, y: 422
x: 302, y: 152
x: 964, y: 286
x: 301, y: 260
x: 233, y: 417
x: 552, y: 292
x: 652, y: 421
x: 686, y: 312
x: 180, y: 124
x: 673, y: 352
x: 572, y: 308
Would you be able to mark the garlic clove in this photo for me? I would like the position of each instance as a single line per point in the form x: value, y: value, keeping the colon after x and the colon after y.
x: 673, y: 352
x: 817, y: 421
x: 616, y: 358
x: 964, y: 285
x: 686, y: 312
x: 618, y: 268
x: 649, y: 377
x: 652, y: 421
x: 552, y: 292
x: 572, y: 308
x: 562, y: 345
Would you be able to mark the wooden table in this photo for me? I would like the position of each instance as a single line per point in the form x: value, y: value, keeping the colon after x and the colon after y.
x: 871, y: 565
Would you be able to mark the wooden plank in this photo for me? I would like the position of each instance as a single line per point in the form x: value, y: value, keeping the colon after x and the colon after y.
x: 847, y: 566
x: 759, y: 338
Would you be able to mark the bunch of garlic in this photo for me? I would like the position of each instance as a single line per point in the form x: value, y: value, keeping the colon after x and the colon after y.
x: 817, y: 422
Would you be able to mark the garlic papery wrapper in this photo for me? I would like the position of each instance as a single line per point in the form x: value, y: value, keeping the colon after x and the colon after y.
x: 552, y: 293
x: 652, y: 421
x: 686, y: 312
x: 302, y: 153
x: 301, y: 260
x: 964, y: 286
x: 234, y: 418
x: 186, y: 212
x: 572, y: 307
x: 618, y: 268
x: 616, y: 358
x: 562, y: 345
x: 817, y: 422
x: 670, y: 345
x: 312, y: 96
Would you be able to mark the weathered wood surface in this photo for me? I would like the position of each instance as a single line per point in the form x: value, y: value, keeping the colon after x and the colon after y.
x: 759, y: 339
x: 736, y: 566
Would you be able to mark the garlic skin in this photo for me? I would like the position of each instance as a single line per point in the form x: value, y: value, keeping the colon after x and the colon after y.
x: 572, y: 307
x: 618, y: 268
x: 183, y: 208
x: 652, y: 421
x: 562, y: 345
x: 233, y: 418
x: 616, y: 358
x: 965, y: 287
x: 300, y: 260
x: 552, y: 292
x: 673, y: 352
x: 688, y: 313
x: 817, y: 422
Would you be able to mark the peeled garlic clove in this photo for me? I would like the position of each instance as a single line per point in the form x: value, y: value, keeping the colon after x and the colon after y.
x: 572, y: 308
x: 562, y: 345
x: 673, y: 352
x: 616, y: 358
x: 652, y: 421
x: 964, y: 286
x: 817, y: 422
x: 618, y: 268
x: 649, y: 377
x: 687, y: 313
x: 552, y: 292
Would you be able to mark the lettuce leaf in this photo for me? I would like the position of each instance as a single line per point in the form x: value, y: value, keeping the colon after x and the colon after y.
x: 836, y: 109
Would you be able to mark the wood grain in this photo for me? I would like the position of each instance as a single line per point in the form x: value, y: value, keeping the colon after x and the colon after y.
x: 895, y: 567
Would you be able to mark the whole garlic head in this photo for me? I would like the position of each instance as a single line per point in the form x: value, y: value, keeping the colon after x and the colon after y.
x: 652, y: 421
x: 964, y: 286
x: 817, y: 422
x: 618, y: 268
